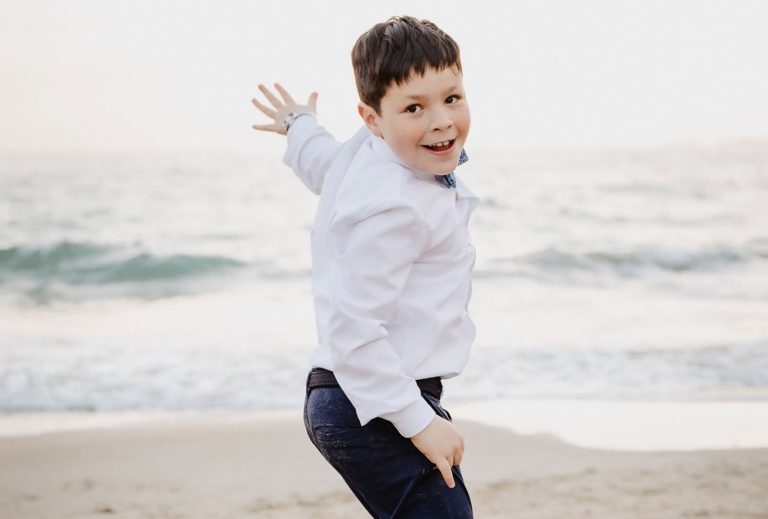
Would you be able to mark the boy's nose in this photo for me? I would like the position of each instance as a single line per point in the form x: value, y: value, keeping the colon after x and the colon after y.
x: 441, y: 120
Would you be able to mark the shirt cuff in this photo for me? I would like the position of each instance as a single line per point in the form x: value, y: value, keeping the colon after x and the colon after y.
x: 413, y: 419
x: 302, y: 120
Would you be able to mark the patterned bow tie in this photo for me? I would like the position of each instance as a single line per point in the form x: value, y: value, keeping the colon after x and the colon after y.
x: 449, y: 180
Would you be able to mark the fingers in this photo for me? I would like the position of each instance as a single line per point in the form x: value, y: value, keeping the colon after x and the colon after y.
x: 285, y: 95
x: 288, y: 100
x: 445, y: 469
x: 269, y: 95
x: 267, y: 111
x: 313, y: 102
x: 267, y: 127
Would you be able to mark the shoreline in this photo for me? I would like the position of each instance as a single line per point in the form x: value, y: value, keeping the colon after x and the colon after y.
x: 630, y: 425
x: 597, y: 424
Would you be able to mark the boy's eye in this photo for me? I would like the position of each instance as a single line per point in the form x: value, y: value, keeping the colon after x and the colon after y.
x: 454, y: 97
x: 411, y: 108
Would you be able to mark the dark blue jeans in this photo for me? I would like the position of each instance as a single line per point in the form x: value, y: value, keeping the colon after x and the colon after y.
x: 387, y: 473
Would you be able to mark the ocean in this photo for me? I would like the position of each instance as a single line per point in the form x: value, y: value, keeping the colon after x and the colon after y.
x: 182, y: 282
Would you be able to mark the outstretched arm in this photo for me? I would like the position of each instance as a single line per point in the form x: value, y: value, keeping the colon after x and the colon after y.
x: 311, y: 149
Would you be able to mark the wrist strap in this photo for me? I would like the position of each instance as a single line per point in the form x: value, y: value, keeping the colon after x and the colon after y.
x: 291, y: 118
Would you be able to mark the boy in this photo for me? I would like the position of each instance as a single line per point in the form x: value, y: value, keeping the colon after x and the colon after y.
x: 392, y: 260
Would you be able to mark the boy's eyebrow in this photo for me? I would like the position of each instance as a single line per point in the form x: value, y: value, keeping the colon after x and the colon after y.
x: 447, y: 91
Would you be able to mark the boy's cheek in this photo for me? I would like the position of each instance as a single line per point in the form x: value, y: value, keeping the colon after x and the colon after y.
x: 466, y: 120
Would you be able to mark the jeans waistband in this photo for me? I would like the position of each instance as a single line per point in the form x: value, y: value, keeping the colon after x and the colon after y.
x: 321, y: 377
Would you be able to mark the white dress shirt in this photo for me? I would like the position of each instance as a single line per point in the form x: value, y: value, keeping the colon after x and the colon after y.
x: 391, y: 272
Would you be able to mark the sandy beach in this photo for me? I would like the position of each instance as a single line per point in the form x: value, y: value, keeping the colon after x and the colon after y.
x: 264, y: 466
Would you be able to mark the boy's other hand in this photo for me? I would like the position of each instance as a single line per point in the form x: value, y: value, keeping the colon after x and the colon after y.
x: 281, y: 108
x: 443, y: 444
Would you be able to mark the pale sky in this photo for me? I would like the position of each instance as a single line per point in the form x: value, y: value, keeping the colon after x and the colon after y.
x: 169, y: 76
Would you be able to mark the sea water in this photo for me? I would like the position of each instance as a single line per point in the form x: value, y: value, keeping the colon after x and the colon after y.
x: 182, y: 282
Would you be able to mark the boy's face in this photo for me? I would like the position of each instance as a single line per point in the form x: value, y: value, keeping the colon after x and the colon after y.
x: 425, y: 110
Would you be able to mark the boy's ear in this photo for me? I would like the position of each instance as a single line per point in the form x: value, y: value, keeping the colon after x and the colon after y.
x: 369, y: 117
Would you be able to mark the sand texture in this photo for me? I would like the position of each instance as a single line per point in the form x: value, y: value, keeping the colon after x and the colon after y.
x: 268, y: 468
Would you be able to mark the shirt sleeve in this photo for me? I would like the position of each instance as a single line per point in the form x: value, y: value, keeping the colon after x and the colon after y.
x: 371, y: 259
x: 310, y: 152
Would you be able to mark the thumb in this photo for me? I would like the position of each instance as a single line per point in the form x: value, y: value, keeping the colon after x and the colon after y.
x: 445, y: 470
x: 313, y: 101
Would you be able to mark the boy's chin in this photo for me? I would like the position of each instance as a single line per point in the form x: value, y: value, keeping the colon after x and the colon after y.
x: 446, y: 166
x: 441, y: 170
x: 434, y: 165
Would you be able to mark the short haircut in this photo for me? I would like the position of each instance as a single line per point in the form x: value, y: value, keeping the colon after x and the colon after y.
x: 395, y: 49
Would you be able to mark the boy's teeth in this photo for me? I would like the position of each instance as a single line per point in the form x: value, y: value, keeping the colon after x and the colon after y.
x: 439, y: 144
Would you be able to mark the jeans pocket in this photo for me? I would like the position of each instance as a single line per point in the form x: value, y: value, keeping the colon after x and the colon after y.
x: 331, y: 417
x: 338, y: 436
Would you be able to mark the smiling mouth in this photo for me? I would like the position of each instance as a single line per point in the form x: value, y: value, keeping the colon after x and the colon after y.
x: 440, y: 147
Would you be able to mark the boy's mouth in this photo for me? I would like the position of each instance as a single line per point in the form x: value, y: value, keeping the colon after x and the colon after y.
x: 440, y: 147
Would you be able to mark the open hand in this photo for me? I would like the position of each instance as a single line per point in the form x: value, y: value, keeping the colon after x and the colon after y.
x: 443, y: 444
x: 281, y: 108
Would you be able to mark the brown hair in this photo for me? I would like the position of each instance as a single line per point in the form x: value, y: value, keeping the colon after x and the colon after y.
x: 393, y: 50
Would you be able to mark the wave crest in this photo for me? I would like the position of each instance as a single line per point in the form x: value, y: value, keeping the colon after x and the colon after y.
x: 89, y: 263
